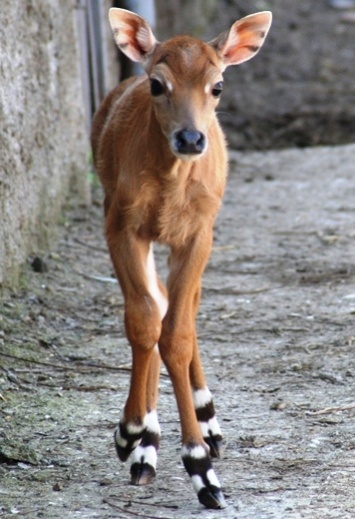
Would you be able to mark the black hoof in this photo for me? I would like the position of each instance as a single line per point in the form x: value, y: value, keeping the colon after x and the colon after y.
x: 145, y: 455
x: 198, y: 465
x: 216, y: 445
x: 142, y: 473
x: 211, y: 498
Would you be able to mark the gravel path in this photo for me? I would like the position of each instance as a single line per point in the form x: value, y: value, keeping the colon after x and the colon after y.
x: 277, y: 337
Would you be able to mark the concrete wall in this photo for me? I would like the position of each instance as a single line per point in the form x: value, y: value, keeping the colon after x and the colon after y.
x: 43, y: 139
x: 184, y: 16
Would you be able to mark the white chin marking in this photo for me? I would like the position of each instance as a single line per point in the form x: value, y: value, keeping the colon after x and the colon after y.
x: 210, y: 427
x: 145, y: 455
x: 186, y: 157
x: 197, y: 452
x: 151, y: 422
x: 201, y: 397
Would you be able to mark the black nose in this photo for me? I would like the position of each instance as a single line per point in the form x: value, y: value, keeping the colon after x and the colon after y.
x: 189, y: 142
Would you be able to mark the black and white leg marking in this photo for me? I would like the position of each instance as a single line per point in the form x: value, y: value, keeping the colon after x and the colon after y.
x: 142, y: 441
x: 127, y: 437
x: 145, y: 455
x: 198, y: 465
x: 207, y: 420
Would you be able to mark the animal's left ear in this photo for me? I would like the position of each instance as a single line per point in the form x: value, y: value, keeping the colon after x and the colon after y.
x: 244, y: 38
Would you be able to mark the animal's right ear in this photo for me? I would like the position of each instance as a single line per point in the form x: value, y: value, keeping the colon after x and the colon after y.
x: 132, y: 34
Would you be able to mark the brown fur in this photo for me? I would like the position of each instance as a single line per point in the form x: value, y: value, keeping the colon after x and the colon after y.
x: 153, y: 193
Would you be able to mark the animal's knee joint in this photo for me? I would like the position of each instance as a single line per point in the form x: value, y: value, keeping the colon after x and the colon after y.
x: 143, y: 323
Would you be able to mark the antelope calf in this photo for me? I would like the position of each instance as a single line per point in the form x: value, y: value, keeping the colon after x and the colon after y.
x: 161, y: 157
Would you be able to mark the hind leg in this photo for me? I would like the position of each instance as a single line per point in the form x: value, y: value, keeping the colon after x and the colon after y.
x: 204, y: 407
x: 177, y: 346
x: 203, y: 401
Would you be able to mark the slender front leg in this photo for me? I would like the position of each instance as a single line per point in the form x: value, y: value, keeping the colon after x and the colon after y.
x: 138, y: 430
x: 144, y: 457
x: 177, y: 343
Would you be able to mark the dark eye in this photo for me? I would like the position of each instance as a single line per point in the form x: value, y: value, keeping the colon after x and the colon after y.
x: 217, y: 89
x: 156, y: 88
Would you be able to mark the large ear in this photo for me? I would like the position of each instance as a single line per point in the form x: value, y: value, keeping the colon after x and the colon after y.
x: 244, y: 38
x: 132, y: 34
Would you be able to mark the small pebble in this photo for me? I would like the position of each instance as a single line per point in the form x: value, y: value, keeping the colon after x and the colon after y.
x: 39, y: 265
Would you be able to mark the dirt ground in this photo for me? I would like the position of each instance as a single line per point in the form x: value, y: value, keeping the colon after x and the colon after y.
x: 276, y: 330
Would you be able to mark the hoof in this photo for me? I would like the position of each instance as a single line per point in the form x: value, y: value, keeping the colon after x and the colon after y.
x: 144, y: 462
x: 212, y: 497
x: 215, y: 444
x: 198, y: 465
x: 142, y: 473
x: 141, y: 442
